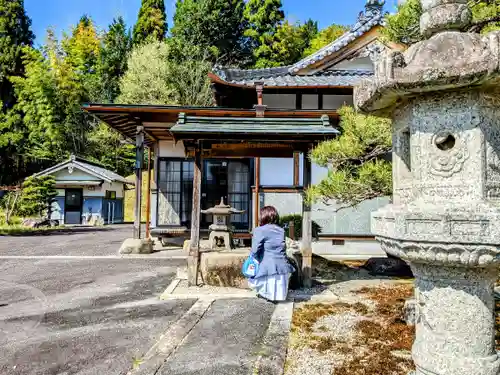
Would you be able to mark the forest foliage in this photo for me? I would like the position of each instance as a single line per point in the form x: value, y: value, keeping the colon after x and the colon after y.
x: 43, y: 88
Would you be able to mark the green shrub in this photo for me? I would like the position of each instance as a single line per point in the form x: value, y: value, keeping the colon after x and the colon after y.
x: 297, y: 221
x: 38, y: 194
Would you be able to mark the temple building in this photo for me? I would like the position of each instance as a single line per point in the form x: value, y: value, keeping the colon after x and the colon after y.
x: 252, y: 144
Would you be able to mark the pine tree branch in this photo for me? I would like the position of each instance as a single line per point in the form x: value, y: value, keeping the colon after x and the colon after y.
x: 478, y: 26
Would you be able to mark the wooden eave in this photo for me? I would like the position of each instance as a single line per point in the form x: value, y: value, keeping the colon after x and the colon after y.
x: 157, y: 120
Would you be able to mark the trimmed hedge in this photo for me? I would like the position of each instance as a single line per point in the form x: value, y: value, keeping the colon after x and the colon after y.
x: 297, y: 220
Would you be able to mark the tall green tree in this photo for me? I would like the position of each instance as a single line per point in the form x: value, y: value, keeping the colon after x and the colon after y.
x: 285, y: 47
x: 155, y: 76
x: 310, y: 29
x: 404, y: 25
x: 59, y: 77
x: 151, y: 23
x: 116, y: 45
x: 213, y: 25
x: 357, y: 168
x: 15, y: 33
x: 325, y: 37
x: 263, y: 17
x: 108, y: 148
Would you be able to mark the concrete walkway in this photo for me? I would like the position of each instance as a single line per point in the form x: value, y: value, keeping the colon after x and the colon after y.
x: 223, y: 337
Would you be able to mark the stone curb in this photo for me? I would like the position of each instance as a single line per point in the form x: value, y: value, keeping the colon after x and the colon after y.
x: 273, y: 352
x: 212, y: 293
x: 171, y: 339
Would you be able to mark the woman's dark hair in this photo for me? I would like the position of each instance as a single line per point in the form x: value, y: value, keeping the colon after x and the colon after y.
x: 269, y: 215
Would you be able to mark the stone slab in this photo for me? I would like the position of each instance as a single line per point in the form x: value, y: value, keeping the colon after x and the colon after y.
x: 136, y: 246
x: 223, y: 268
x: 272, y: 357
x: 226, y: 341
x: 171, y: 339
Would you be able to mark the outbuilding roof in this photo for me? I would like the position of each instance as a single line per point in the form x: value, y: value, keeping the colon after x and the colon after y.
x: 88, y: 167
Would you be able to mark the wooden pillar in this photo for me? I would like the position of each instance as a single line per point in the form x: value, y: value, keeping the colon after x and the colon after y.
x: 256, y: 202
x: 148, y: 197
x: 139, y: 158
x: 259, y: 87
x: 306, y: 247
x: 296, y: 169
x: 194, y: 247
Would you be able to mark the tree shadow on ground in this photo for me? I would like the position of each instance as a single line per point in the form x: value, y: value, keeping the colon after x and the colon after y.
x: 327, y: 273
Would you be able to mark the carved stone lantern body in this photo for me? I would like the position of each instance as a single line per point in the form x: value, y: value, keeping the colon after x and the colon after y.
x: 445, y: 216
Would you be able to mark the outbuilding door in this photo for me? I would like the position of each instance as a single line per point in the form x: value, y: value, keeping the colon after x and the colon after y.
x: 73, y: 204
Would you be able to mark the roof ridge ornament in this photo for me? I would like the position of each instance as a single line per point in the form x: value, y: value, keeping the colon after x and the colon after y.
x: 373, y: 8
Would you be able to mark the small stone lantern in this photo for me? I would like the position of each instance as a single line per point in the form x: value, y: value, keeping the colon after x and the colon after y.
x: 221, y: 231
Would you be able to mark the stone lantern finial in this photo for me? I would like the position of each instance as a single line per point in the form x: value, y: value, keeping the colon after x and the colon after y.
x: 442, y: 15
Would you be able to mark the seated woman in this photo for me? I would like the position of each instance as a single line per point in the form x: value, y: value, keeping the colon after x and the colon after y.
x: 268, y: 247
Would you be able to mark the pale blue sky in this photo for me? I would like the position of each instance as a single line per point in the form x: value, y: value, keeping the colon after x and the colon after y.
x: 61, y: 14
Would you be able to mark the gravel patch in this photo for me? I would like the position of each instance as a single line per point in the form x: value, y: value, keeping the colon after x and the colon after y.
x: 318, y: 351
x: 359, y: 334
x: 339, y: 327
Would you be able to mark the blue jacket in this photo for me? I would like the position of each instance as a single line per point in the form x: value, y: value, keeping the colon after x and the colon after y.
x: 268, y: 247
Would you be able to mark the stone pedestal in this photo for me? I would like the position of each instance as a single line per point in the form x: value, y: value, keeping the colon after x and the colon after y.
x: 442, y: 95
x: 455, y: 322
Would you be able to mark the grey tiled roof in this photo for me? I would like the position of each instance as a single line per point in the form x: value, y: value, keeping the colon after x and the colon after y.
x: 329, y: 78
x: 287, y: 75
x: 110, y: 175
x: 106, y: 174
x: 263, y: 126
x: 373, y: 16
x: 238, y: 75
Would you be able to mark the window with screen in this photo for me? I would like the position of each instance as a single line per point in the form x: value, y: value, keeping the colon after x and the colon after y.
x: 175, y: 189
x: 239, y: 192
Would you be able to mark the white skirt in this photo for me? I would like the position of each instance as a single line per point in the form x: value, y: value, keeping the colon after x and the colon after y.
x: 273, y: 288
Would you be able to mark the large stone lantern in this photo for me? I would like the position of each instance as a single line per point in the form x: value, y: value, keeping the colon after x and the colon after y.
x: 445, y: 216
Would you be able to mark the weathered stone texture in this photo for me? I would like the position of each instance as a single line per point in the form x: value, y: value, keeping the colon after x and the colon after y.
x: 455, y: 321
x: 445, y: 218
x: 440, y: 15
x: 136, y: 246
x: 448, y: 60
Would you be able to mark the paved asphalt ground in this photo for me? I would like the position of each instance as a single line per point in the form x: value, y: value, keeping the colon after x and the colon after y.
x: 99, y: 316
x: 103, y: 241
